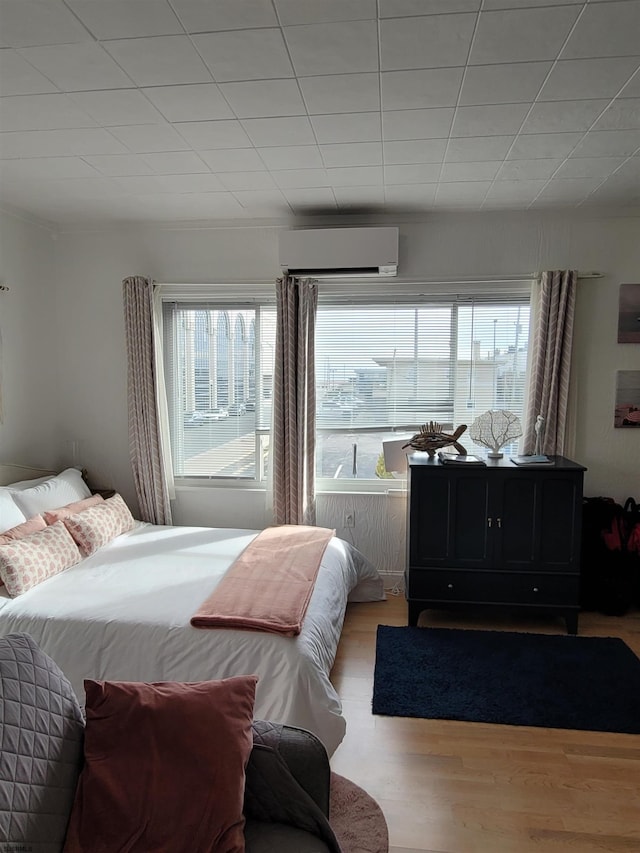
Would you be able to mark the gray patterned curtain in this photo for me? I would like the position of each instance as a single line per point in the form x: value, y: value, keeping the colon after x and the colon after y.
x: 294, y: 403
x: 550, y: 371
x: 145, y: 446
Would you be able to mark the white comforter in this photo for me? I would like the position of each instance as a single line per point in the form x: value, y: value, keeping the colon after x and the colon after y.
x: 123, y: 614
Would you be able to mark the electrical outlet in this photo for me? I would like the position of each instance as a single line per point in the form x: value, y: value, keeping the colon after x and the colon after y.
x: 350, y: 519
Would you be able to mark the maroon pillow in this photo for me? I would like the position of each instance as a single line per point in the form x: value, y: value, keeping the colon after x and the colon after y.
x: 164, y: 767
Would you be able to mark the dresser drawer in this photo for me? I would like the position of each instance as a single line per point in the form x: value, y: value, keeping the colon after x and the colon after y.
x: 492, y: 587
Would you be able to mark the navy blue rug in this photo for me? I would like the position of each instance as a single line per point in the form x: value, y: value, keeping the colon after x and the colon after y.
x: 517, y: 679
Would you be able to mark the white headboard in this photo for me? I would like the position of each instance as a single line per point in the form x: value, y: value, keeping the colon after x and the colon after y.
x: 14, y: 473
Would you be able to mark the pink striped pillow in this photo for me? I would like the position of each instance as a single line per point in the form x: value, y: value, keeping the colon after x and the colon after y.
x: 99, y: 524
x: 54, y: 515
x: 29, y: 561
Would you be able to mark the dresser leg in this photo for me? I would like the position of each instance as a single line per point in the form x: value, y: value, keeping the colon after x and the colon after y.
x: 572, y: 623
x: 415, y: 609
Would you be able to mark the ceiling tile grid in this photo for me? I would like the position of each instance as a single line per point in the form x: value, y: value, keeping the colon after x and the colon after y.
x: 179, y: 110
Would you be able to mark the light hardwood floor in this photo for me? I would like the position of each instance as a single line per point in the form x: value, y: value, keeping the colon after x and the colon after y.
x: 453, y: 787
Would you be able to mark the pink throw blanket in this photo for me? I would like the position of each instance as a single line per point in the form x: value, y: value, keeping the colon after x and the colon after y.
x: 269, y: 586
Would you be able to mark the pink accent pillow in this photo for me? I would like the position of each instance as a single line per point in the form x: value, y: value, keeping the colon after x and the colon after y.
x: 94, y: 527
x: 32, y: 525
x: 164, y: 767
x: 71, y: 509
x: 29, y: 561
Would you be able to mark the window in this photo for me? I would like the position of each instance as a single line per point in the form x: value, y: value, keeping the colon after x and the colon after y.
x: 218, y: 364
x: 384, y: 369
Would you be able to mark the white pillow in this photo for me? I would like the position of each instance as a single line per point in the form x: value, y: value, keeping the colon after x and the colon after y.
x: 64, y: 488
x: 10, y: 512
x: 21, y: 485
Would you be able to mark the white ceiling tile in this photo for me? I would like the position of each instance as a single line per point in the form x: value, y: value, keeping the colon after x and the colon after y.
x: 244, y: 54
x: 605, y: 29
x: 144, y: 138
x: 46, y: 168
x: 77, y: 67
x: 589, y: 167
x: 87, y: 187
x: 310, y: 199
x: 622, y: 114
x: 410, y: 197
x: 313, y: 12
x: 417, y: 173
x: 264, y: 98
x: 119, y: 106
x: 197, y: 183
x: 347, y: 127
x: 176, y: 163
x: 408, y: 90
x: 491, y: 120
x: 289, y: 178
x: 354, y: 176
x: 254, y: 181
x: 159, y: 61
x: 213, y: 134
x: 524, y: 190
x: 349, y: 197
x: 528, y: 170
x: 41, y: 112
x: 432, y: 41
x: 403, y: 8
x: 452, y: 172
x: 543, y: 145
x: 605, y: 143
x: 293, y: 130
x: 521, y: 4
x: 632, y: 89
x: 31, y: 22
x: 17, y: 77
x: 352, y: 154
x: 291, y: 157
x: 341, y: 93
x: 194, y: 206
x: 521, y: 35
x: 126, y: 18
x: 510, y: 83
x: 472, y: 192
x: 417, y: 124
x: 52, y: 143
x: 569, y: 189
x: 348, y: 47
x: 561, y: 116
x: 588, y: 78
x: 233, y: 160
x: 199, y: 16
x: 414, y: 151
x: 200, y: 102
x: 120, y: 165
x: 263, y: 202
x: 473, y: 148
x: 139, y: 184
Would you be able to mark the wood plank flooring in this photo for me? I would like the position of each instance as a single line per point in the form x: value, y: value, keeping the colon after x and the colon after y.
x: 452, y: 787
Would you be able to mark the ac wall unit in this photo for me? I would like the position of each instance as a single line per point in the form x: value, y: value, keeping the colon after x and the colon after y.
x: 339, y: 252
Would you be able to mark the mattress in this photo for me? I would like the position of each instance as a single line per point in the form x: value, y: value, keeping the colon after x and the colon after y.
x: 123, y: 614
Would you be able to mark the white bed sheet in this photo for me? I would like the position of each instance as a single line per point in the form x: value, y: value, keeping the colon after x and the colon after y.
x: 123, y: 615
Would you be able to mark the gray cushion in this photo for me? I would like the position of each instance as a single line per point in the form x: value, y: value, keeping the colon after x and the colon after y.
x: 41, y: 737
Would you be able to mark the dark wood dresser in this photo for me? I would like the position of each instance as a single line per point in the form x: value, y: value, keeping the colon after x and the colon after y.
x: 500, y: 534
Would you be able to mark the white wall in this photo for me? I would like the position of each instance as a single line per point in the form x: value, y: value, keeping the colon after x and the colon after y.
x: 28, y: 343
x: 90, y: 371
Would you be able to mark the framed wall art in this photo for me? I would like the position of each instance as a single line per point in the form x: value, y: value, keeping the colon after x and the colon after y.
x: 627, y: 412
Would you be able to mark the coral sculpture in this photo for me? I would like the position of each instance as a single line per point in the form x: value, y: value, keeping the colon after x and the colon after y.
x: 494, y: 429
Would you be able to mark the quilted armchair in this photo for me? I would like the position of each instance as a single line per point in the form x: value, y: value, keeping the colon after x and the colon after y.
x: 41, y: 754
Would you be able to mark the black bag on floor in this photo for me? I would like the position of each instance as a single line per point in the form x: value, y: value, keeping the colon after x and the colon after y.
x: 608, y: 579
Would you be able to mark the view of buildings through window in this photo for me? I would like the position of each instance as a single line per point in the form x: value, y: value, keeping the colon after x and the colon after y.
x: 381, y: 372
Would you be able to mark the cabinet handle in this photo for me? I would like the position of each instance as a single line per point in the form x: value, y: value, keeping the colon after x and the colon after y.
x: 535, y: 589
x: 449, y: 586
x: 490, y: 521
x: 499, y: 520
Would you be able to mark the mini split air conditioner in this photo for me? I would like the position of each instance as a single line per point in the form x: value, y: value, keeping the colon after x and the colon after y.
x: 339, y: 252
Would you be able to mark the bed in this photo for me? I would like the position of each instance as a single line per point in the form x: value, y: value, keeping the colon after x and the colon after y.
x: 123, y: 613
